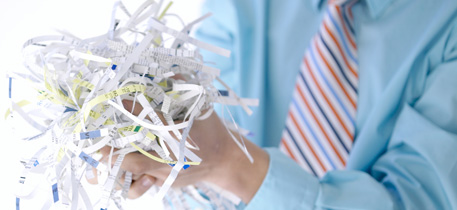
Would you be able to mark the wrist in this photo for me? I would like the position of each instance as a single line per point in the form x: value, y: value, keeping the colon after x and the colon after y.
x: 238, y: 175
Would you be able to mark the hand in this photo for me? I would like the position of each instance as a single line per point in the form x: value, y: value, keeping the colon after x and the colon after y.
x: 223, y: 163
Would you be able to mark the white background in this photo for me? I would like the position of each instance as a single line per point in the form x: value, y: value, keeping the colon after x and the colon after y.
x: 21, y: 20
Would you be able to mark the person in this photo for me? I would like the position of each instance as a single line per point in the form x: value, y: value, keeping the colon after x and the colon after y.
x: 403, y: 156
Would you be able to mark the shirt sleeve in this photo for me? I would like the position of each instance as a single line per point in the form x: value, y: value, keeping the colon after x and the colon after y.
x: 418, y: 169
x: 287, y: 186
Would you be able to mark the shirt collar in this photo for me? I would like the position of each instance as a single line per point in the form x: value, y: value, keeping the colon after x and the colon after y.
x: 376, y: 7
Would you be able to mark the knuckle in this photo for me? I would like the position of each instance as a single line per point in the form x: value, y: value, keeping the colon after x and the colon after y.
x: 137, y: 168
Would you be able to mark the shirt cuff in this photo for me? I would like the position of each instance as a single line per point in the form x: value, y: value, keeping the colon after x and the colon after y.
x: 286, y: 185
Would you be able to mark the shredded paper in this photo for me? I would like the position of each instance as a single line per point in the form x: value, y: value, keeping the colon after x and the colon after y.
x: 78, y: 87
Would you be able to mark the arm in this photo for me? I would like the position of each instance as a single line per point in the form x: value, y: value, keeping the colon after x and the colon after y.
x: 416, y: 171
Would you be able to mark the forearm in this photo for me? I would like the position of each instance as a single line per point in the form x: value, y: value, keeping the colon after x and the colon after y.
x: 237, y: 174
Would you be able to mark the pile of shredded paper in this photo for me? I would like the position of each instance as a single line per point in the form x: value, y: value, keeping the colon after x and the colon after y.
x: 78, y: 87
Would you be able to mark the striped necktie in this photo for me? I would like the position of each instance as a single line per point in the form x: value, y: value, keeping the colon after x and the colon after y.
x: 320, y: 124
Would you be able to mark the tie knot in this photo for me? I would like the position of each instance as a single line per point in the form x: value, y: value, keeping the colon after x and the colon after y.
x: 339, y: 2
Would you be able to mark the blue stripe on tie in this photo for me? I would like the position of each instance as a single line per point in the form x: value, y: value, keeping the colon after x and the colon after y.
x: 317, y: 140
x: 346, y: 19
x: 301, y: 152
x: 311, y: 50
x: 322, y: 111
x: 343, y: 40
x: 337, y: 63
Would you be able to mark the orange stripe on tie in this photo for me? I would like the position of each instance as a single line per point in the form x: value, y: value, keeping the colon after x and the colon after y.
x: 340, y: 50
x: 292, y: 117
x: 320, y: 94
x: 346, y: 130
x: 334, y: 75
x: 345, y: 28
x: 320, y: 125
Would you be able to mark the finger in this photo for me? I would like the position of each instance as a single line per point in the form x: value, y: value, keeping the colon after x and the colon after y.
x: 138, y: 163
x: 128, y: 105
x: 93, y: 180
x: 140, y: 186
x: 179, y: 77
x: 136, y: 176
x: 106, y: 151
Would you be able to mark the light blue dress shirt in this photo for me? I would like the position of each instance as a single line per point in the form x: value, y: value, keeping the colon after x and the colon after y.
x: 405, y: 150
